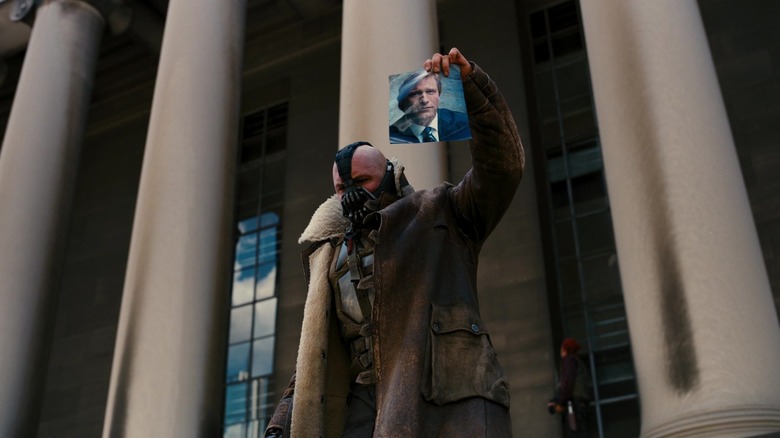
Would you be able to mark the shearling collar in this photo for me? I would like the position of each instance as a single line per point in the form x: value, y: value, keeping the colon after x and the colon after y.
x: 328, y: 222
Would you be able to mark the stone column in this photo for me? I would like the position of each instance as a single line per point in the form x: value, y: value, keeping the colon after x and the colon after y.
x: 38, y: 161
x: 168, y: 367
x: 380, y: 38
x: 704, y: 330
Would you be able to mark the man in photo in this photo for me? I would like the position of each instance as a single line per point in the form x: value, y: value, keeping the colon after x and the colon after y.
x: 423, y: 121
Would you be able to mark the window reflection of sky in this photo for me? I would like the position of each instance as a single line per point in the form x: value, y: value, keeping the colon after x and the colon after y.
x: 262, y: 357
x: 265, y: 318
x: 266, y: 281
x: 253, y: 248
x: 243, y: 286
x: 234, y: 430
x: 247, y: 225
x: 246, y: 251
x: 240, y: 324
x: 235, y: 408
x: 252, y: 325
x: 267, y: 245
x: 251, y: 224
x: 238, y: 362
x: 241, y: 321
x: 253, y: 315
x: 257, y: 281
x: 247, y: 246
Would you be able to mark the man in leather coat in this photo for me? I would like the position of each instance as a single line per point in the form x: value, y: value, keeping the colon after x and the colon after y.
x: 392, y: 342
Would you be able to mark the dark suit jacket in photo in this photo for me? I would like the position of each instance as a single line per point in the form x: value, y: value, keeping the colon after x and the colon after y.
x: 452, y: 126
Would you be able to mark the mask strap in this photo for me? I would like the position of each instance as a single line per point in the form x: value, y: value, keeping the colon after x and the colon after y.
x: 388, y: 181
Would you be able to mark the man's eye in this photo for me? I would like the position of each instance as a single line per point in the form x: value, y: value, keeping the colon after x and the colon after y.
x: 415, y: 93
x: 431, y: 92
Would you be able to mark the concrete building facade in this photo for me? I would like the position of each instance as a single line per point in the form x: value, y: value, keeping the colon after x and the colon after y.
x: 160, y: 159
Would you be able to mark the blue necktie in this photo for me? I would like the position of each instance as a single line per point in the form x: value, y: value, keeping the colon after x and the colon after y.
x: 428, y: 134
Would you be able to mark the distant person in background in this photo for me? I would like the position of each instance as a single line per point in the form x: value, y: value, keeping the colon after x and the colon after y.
x: 423, y: 120
x: 572, y: 395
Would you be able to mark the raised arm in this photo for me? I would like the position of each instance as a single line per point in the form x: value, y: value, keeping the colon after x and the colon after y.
x: 486, y: 191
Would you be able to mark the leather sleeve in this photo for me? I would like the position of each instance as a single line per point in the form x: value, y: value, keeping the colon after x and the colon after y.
x: 283, y: 413
x: 498, y: 160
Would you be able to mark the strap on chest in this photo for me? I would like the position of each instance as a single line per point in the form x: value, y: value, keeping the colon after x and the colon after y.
x: 356, y: 273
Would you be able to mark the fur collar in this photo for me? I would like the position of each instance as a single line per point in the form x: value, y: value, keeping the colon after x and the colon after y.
x: 328, y: 222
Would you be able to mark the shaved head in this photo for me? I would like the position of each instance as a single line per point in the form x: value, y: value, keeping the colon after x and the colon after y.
x: 368, y: 169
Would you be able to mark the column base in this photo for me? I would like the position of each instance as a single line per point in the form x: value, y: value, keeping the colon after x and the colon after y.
x: 737, y: 422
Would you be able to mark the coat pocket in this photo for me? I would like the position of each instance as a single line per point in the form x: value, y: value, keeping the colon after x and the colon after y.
x: 460, y: 361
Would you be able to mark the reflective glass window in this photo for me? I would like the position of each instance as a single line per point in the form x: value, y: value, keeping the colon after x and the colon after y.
x: 240, y: 324
x: 246, y: 251
x: 235, y: 402
x: 262, y: 357
x: 238, y: 362
x: 249, y: 399
x: 266, y: 281
x: 265, y: 317
x: 243, y: 286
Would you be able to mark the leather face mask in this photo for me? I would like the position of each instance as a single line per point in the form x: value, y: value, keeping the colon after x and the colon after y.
x: 354, y: 204
x: 355, y: 201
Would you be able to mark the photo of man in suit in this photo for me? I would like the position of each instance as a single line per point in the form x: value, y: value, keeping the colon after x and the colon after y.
x: 419, y: 96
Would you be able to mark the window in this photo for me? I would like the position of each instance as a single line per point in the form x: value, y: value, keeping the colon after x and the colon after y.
x: 249, y: 400
x: 587, y: 287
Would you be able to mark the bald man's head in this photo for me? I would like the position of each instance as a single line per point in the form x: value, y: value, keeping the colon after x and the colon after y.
x: 368, y: 168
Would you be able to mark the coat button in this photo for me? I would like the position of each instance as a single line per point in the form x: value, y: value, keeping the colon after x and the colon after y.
x: 436, y: 327
x: 474, y: 328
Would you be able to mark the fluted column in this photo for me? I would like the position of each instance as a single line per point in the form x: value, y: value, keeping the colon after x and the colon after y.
x: 704, y: 330
x: 168, y: 367
x: 38, y: 162
x: 380, y: 38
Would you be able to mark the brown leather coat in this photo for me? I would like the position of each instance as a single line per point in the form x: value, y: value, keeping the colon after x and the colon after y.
x: 437, y: 373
